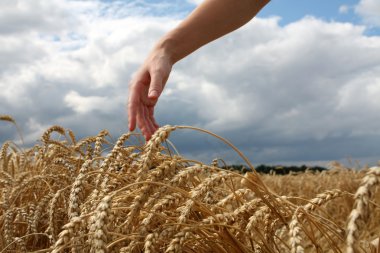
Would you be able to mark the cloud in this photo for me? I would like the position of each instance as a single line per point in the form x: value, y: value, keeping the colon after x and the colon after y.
x: 82, y: 104
x: 20, y: 16
x: 369, y: 10
x: 293, y: 75
x: 196, y: 2
x: 306, y: 91
x: 73, y: 72
x: 311, y: 82
x: 344, y: 9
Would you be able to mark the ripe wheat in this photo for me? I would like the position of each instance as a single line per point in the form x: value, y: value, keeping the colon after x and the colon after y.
x: 65, y: 194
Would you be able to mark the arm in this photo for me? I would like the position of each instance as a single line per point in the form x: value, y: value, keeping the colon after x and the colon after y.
x: 209, y: 21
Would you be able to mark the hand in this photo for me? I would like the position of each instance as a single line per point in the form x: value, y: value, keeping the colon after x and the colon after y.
x: 144, y: 91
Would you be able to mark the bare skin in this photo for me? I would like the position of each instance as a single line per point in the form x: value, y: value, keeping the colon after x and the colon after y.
x: 210, y: 20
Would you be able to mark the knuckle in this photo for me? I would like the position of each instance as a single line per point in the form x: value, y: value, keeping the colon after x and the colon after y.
x: 131, y: 103
x: 131, y: 83
x: 157, y: 70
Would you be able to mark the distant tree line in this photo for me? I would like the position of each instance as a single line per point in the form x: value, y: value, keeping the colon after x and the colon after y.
x: 276, y: 169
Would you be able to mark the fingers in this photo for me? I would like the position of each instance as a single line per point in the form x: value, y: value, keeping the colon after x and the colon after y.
x: 151, y: 116
x: 145, y: 122
x: 132, y: 110
x: 136, y: 90
x: 150, y: 128
x: 143, y: 94
x: 139, y: 114
x: 155, y: 87
x: 140, y: 120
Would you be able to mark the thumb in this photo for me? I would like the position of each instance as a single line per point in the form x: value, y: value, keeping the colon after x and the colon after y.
x: 155, y: 87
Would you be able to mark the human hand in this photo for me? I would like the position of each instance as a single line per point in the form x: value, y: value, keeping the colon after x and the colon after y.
x: 144, y: 91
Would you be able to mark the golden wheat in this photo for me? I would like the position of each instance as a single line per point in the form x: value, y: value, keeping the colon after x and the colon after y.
x: 65, y: 194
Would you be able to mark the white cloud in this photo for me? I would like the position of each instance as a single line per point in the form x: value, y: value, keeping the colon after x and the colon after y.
x: 35, y: 129
x: 344, y: 9
x: 369, y: 10
x: 83, y: 104
x: 18, y: 16
x: 294, y: 75
x: 264, y: 85
x: 212, y: 102
x: 197, y: 2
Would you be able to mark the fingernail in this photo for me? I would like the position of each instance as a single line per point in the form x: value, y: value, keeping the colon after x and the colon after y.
x: 153, y: 93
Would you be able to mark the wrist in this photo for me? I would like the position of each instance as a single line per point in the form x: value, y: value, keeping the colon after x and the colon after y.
x: 168, y: 47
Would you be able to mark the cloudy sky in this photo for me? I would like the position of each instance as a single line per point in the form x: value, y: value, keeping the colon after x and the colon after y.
x: 298, y: 84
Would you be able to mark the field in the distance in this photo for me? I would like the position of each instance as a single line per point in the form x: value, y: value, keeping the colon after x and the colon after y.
x: 91, y: 195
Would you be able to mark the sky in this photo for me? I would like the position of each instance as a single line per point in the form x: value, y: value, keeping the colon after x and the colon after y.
x: 298, y: 84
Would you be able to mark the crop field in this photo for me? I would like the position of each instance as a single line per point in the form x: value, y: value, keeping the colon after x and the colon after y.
x: 100, y: 194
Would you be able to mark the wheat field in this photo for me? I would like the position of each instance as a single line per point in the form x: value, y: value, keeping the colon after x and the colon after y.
x: 101, y: 195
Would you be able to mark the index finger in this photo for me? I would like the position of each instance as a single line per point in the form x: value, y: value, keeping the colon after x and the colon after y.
x: 132, y: 108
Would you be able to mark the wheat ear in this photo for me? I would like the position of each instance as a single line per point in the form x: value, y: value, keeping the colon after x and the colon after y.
x: 99, y: 227
x: 360, y: 211
x: 295, y: 234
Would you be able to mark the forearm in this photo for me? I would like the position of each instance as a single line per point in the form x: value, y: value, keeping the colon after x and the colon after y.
x: 209, y: 21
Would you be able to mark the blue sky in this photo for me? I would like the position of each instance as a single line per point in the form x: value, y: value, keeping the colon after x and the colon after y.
x: 298, y: 84
x: 293, y: 10
x: 288, y: 10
